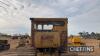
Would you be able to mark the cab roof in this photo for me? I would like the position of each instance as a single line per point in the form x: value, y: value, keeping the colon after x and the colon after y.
x: 48, y: 19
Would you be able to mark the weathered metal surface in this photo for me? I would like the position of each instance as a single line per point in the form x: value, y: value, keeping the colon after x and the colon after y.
x: 60, y: 26
x: 47, y: 39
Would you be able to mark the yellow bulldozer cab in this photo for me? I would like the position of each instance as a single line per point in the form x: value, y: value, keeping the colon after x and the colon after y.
x: 49, y: 32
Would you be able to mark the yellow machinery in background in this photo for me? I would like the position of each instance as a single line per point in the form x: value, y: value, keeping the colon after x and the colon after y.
x: 75, y: 41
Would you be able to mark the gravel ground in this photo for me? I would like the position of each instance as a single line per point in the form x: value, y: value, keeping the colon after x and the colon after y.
x: 21, y: 51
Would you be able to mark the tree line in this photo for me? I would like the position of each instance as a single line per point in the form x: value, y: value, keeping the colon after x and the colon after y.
x: 91, y: 35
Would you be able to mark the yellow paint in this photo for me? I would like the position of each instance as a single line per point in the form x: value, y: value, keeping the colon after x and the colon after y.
x: 74, y: 41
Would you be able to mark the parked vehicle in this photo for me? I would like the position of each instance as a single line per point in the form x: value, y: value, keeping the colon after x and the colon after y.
x: 4, y: 45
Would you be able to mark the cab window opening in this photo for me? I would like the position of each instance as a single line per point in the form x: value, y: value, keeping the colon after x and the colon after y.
x: 48, y: 25
x: 43, y: 27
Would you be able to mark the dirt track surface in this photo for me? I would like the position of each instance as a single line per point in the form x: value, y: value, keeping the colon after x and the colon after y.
x: 29, y: 51
x: 21, y: 51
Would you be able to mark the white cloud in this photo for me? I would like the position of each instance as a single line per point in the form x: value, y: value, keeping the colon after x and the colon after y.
x: 17, y: 18
x: 89, y: 21
x: 15, y: 14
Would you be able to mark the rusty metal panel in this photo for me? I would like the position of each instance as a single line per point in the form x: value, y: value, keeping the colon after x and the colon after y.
x: 57, y: 30
x: 47, y: 39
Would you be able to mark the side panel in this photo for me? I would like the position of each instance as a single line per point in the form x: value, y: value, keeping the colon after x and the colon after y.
x: 47, y: 39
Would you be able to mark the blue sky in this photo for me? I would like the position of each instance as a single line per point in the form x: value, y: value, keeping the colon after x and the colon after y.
x: 83, y: 15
